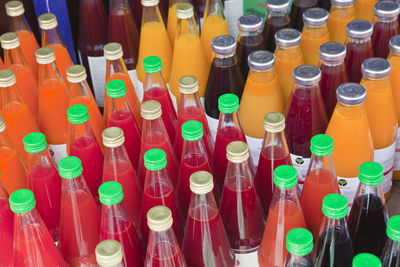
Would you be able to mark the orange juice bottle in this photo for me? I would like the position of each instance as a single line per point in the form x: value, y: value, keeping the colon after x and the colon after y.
x: 288, y: 56
x: 173, y: 20
x: 116, y: 70
x: 365, y: 9
x: 382, y: 115
x: 341, y: 13
x: 50, y: 37
x: 154, y: 39
x: 18, y: 24
x: 188, y: 56
x: 53, y: 104
x: 351, y: 134
x: 314, y: 34
x: 261, y: 95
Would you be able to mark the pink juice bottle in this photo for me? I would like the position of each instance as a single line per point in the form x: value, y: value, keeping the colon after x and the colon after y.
x: 33, y: 245
x: 6, y: 228
x: 116, y: 223
x: 158, y: 190
x: 44, y: 181
x: 83, y: 144
x: 155, y: 136
x: 80, y: 216
x: 109, y: 253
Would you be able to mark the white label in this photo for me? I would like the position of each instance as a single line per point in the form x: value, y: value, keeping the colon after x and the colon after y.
x: 348, y: 188
x: 396, y: 165
x: 233, y: 11
x: 255, y: 145
x: 58, y: 152
x: 97, y: 66
x: 301, y: 164
x: 137, y: 84
x: 213, y: 125
x: 247, y: 260
x: 385, y: 157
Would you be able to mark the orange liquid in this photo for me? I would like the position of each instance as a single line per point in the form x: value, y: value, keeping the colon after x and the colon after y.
x: 63, y: 60
x: 311, y: 40
x: 29, y: 45
x: 13, y: 175
x: 171, y: 24
x: 365, y: 9
x: 1, y: 64
x: 337, y: 22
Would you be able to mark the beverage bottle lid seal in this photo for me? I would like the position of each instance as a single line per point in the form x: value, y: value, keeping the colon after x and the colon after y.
x: 387, y: 9
x: 192, y: 130
x: 7, y: 78
x: 261, y: 60
x: 78, y: 114
x: 393, y: 228
x: 285, y: 176
x: 14, y: 8
x: 22, y: 201
x: 76, y: 74
x: 152, y: 64
x: 151, y: 110
x: 116, y: 88
x: 184, y: 10
x: 237, y: 152
x: 299, y: 242
x: 45, y: 55
x: 35, y: 142
x: 188, y: 84
x: 113, y: 51
x: 113, y: 137
x: 9, y: 40
x: 110, y: 193
x: 159, y: 218
x: 315, y: 16
x: 342, y: 2
x: 351, y: 93
x: 201, y: 182
x: 394, y: 44
x: 366, y: 260
x: 278, y: 5
x: 334, y: 206
x: 47, y: 21
x: 370, y: 173
x: 375, y: 68
x: 287, y: 37
x: 108, y: 253
x: 70, y: 167
x: 359, y: 29
x: 321, y: 145
x: 332, y: 51
x: 250, y: 23
x: 150, y: 3
x: 274, y: 122
x: 223, y: 45
x: 307, y: 75
x: 228, y: 103
x: 155, y: 159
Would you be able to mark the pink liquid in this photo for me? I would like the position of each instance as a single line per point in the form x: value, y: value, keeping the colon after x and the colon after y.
x: 157, y: 257
x: 6, y: 232
x: 383, y: 31
x: 356, y: 53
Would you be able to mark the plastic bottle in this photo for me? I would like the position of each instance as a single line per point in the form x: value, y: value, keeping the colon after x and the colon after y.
x: 365, y: 9
x: 341, y: 13
x: 390, y: 253
x: 366, y: 260
x: 109, y: 254
x: 277, y: 18
x: 299, y: 243
x: 6, y: 228
x: 296, y: 12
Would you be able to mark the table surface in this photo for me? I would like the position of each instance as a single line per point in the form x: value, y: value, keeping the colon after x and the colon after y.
x: 393, y: 204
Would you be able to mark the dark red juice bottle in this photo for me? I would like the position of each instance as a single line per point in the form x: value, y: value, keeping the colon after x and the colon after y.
x: 137, y: 10
x: 6, y: 228
x: 109, y: 253
x: 296, y: 12
x: 277, y: 18
x: 391, y: 255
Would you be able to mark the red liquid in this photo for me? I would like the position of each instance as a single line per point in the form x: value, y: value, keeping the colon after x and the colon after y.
x: 6, y: 232
x: 270, y: 158
x: 357, y: 52
x: 156, y: 256
x: 126, y: 121
x: 383, y: 31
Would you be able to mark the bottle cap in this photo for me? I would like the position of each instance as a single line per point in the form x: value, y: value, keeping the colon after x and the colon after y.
x: 35, y: 142
x: 321, y: 145
x: 110, y: 193
x: 285, y: 176
x: 78, y: 114
x: 159, y: 218
x: 188, y: 84
x: 76, y: 74
x: 151, y: 110
x: 315, y: 16
x: 237, y: 152
x: 201, y: 182
x: 70, y: 167
x: 334, y: 206
x: 394, y: 44
x: 184, y: 10
x: 307, y: 75
x: 116, y: 88
x: 152, y: 64
x: 108, y: 253
x: 9, y: 40
x: 359, y: 29
x: 299, y: 241
x: 47, y: 21
x: 250, y: 23
x: 287, y: 37
x: 22, y: 201
x: 223, y: 45
x: 113, y: 137
x: 2, y: 124
x: 261, y: 60
x: 155, y: 159
x: 375, y: 68
x: 228, y: 103
x: 278, y: 5
x: 387, y: 9
x: 274, y: 122
x: 393, y: 228
x: 45, y: 55
x: 149, y: 3
x: 351, y: 93
x: 332, y: 51
x: 14, y: 8
x: 342, y: 2
x: 370, y: 173
x: 7, y: 78
x: 113, y: 51
x: 366, y: 260
x: 192, y: 130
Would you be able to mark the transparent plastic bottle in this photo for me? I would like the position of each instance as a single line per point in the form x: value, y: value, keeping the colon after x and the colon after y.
x: 341, y: 13
x: 109, y: 254
x: 277, y: 18
x: 299, y: 243
x: 390, y: 254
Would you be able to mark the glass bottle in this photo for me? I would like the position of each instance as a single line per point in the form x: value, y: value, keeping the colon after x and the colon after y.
x: 296, y: 12
x: 173, y: 20
x: 205, y: 242
x: 365, y: 9
x: 390, y: 254
x: 341, y: 13
x: 6, y: 227
x: 366, y: 259
x: 109, y: 254
x: 299, y: 243
x: 277, y: 18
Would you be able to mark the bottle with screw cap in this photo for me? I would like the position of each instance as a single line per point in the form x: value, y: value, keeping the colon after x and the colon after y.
x: 366, y: 260
x: 33, y: 244
x: 173, y: 20
x: 205, y: 226
x: 341, y: 13
x: 297, y: 10
x: 284, y: 214
x: 241, y: 209
x: 390, y: 254
x: 277, y: 18
x: 7, y: 226
x: 77, y: 202
x: 365, y: 9
x: 299, y: 243
x: 109, y: 254
x: 163, y: 248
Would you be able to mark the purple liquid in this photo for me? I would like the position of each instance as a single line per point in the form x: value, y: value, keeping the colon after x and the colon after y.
x: 383, y: 31
x: 297, y: 10
x: 245, y: 46
x: 357, y: 52
x: 272, y: 25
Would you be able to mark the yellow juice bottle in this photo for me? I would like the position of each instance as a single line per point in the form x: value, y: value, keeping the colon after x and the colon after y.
x: 341, y: 13
x: 365, y: 9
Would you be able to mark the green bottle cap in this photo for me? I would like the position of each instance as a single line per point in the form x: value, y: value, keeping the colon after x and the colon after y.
x: 370, y: 173
x: 393, y: 228
x: 116, y: 88
x: 299, y: 242
x: 70, y: 167
x: 110, y: 193
x: 192, y: 130
x: 334, y: 206
x: 22, y: 201
x: 155, y: 159
x: 285, y: 176
x: 321, y: 145
x: 152, y: 64
x: 228, y: 103
x: 35, y: 142
x: 78, y: 114
x: 366, y: 260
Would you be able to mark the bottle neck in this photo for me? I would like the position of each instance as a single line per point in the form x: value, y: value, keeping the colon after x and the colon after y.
x: 116, y: 155
x: 114, y: 218
x: 339, y: 224
x: 49, y: 72
x: 273, y: 13
x: 195, y: 152
x: 380, y: 82
x: 255, y: 34
x: 385, y: 20
x: 165, y: 243
x: 5, y: 141
x: 275, y: 146
x: 80, y: 135
x: 364, y: 41
x: 51, y: 37
x: 262, y: 76
x: 186, y: 28
x: 292, y: 51
x: 27, y: 218
x: 39, y: 159
x: 10, y: 96
x: 14, y: 57
x: 368, y: 190
x: 151, y: 14
x: 203, y: 207
x: 71, y: 187
x: 351, y: 111
x: 284, y: 194
x: 154, y: 80
x: 230, y: 120
x: 332, y: 63
x: 156, y: 179
x: 19, y: 23
x: 188, y: 101
x: 119, y: 105
x: 239, y: 175
x: 319, y: 164
x: 78, y: 90
x: 391, y: 253
x: 154, y: 131
x: 316, y: 29
x: 115, y: 66
x: 295, y: 260
x: 342, y: 9
x: 116, y: 5
x: 214, y: 7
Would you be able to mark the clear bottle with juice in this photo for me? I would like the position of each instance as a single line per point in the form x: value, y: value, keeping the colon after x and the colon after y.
x: 299, y: 243
x: 6, y: 228
x: 173, y: 20
x: 109, y: 254
x: 277, y: 18
x: 296, y: 12
x: 365, y: 9
x: 366, y: 259
x: 390, y: 253
x: 341, y: 13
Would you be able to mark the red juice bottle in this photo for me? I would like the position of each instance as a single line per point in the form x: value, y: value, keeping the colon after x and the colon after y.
x: 163, y: 248
x: 120, y: 115
x: 274, y: 152
x: 109, y: 253
x: 320, y: 181
x: 83, y: 144
x: 241, y: 209
x: 277, y: 18
x: 6, y: 228
x: 359, y: 47
x: 155, y: 136
x: 305, y: 116
x: 44, y: 181
x: 117, y: 224
x: 386, y: 26
x: 158, y: 190
x: 296, y: 12
x: 285, y: 213
x: 299, y: 243
x: 33, y: 245
x: 390, y: 255
x: 155, y: 89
